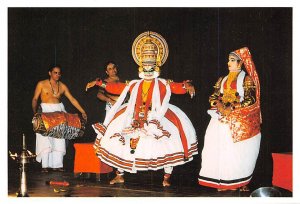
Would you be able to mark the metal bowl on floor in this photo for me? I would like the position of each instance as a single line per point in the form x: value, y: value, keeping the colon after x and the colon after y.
x: 266, y: 192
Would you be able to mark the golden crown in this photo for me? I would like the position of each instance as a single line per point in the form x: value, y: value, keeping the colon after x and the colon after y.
x: 150, y: 48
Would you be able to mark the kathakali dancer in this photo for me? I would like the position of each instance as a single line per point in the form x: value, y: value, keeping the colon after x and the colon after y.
x: 147, y: 133
x: 232, y: 138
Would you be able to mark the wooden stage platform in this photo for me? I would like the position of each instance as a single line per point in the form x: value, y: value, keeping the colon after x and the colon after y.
x: 143, y: 184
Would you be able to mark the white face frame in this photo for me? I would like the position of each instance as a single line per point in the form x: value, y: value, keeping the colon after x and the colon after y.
x: 148, y: 72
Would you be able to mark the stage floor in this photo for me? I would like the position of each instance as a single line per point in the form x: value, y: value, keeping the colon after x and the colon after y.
x: 142, y: 184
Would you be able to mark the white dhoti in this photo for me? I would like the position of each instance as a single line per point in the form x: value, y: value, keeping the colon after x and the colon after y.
x: 226, y: 164
x: 50, y: 151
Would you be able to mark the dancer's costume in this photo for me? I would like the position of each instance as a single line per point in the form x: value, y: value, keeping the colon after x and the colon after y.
x: 147, y: 133
x: 232, y: 142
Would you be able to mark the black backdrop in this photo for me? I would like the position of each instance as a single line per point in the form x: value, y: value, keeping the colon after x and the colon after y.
x: 81, y: 40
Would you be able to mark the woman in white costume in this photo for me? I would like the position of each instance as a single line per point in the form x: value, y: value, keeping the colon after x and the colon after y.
x: 232, y: 138
x: 147, y: 133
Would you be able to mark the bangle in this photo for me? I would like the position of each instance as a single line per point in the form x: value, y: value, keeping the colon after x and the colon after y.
x: 101, y: 84
x: 98, y: 82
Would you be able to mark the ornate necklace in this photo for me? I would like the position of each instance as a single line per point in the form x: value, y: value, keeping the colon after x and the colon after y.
x: 54, y: 93
x: 145, y: 94
x: 229, y: 93
x: 145, y: 90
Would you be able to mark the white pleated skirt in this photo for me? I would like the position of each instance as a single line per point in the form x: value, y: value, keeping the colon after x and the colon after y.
x: 226, y: 164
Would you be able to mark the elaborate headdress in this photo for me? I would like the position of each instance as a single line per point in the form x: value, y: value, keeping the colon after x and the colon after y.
x: 150, y: 49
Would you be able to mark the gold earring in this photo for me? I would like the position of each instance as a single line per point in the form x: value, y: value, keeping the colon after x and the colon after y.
x: 140, y: 69
x: 157, y: 69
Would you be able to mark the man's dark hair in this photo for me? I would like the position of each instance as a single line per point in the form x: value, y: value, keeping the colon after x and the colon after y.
x: 53, y: 66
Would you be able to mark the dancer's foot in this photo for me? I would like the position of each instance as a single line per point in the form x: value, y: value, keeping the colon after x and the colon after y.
x: 166, y: 181
x: 244, y: 189
x: 44, y: 170
x: 58, y: 169
x: 118, y: 179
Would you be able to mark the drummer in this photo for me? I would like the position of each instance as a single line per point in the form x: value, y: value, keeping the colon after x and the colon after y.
x: 50, y: 151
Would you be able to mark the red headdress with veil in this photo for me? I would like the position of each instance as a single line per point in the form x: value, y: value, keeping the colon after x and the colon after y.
x: 245, y: 122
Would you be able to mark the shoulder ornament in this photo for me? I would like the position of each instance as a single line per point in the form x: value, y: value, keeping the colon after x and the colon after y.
x: 169, y: 81
x: 218, y: 84
x: 248, y: 83
x: 127, y: 82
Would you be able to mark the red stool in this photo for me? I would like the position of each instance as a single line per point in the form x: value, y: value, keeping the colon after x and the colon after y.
x: 86, y: 160
x: 283, y: 170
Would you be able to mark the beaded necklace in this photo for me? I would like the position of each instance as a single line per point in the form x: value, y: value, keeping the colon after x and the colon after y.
x: 54, y: 93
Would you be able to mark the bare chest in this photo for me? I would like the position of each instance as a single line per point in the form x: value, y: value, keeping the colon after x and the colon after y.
x: 51, y: 94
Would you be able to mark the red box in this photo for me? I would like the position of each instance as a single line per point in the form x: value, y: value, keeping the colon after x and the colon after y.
x: 86, y: 160
x: 283, y: 170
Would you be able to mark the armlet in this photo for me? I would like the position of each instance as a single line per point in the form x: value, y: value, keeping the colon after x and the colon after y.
x: 218, y: 84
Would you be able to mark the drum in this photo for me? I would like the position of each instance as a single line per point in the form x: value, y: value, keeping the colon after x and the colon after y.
x: 59, y: 125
